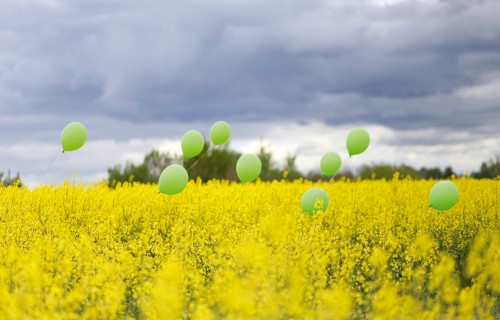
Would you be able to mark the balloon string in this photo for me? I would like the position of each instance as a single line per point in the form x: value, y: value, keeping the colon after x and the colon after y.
x: 328, y: 183
x: 204, y: 153
x: 149, y: 200
x: 47, y: 166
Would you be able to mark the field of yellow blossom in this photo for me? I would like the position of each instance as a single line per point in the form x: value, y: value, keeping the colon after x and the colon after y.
x: 246, y: 251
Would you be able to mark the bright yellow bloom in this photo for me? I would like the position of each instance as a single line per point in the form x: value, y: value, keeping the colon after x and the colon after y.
x: 246, y: 251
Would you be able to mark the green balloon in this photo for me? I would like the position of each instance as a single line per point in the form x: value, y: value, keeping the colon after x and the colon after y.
x: 330, y: 163
x: 248, y: 167
x: 220, y: 132
x: 192, y: 143
x: 357, y: 141
x: 73, y: 136
x: 173, y: 179
x: 314, y: 200
x: 443, y: 196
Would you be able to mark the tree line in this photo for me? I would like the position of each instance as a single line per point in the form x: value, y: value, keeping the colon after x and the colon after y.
x: 9, y: 180
x: 220, y: 163
x: 212, y: 163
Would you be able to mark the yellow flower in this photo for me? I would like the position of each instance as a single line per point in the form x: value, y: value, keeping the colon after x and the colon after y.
x: 241, y: 251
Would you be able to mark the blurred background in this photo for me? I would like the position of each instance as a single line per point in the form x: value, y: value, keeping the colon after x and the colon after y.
x: 292, y: 78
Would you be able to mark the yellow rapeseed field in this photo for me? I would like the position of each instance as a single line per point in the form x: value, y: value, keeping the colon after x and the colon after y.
x: 246, y: 251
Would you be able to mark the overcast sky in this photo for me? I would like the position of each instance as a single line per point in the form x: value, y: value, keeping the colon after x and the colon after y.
x: 422, y: 76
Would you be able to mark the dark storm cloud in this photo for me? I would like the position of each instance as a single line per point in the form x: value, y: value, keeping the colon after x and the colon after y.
x: 334, y: 61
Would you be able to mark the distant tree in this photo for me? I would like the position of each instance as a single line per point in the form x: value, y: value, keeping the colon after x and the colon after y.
x: 406, y: 171
x: 376, y: 171
x: 220, y: 163
x: 346, y: 174
x: 9, y: 180
x: 430, y: 173
x: 448, y: 173
x: 270, y: 171
x: 147, y: 172
x: 155, y: 161
x: 435, y: 173
x: 386, y: 171
x: 292, y: 173
x: 215, y: 163
x: 489, y: 169
x: 316, y: 175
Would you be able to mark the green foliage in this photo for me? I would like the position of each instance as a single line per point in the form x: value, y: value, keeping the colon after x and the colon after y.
x: 386, y: 171
x: 147, y: 172
x: 343, y: 174
x: 489, y: 169
x: 430, y: 173
x: 219, y: 162
x: 214, y: 163
x: 292, y: 172
x: 9, y: 180
x: 436, y: 173
x: 270, y: 170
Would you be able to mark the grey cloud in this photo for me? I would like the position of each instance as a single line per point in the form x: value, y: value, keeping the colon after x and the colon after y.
x: 127, y: 64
